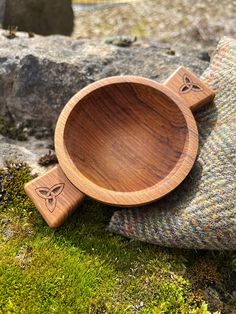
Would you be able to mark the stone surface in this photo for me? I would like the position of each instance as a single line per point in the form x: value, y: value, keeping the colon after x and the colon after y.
x: 2, y: 10
x: 39, y: 16
x: 39, y: 75
x: 29, y: 151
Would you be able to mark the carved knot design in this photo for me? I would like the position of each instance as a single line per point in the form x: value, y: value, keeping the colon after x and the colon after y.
x: 189, y: 85
x: 50, y: 195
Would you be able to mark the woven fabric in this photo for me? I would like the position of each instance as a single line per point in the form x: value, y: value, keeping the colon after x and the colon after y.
x: 201, y: 212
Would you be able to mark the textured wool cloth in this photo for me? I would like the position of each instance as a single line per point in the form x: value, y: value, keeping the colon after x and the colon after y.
x: 201, y: 212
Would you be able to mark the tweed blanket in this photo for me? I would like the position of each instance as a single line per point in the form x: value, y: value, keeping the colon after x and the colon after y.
x: 201, y: 212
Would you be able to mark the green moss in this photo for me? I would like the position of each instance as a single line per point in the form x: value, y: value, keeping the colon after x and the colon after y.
x: 13, y: 198
x: 12, y: 131
x: 81, y: 268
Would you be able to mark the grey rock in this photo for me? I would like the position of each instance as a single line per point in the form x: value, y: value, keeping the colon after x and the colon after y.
x: 39, y: 16
x: 39, y: 75
x: 2, y: 10
x: 29, y: 151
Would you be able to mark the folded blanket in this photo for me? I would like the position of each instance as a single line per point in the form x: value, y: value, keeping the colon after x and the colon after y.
x: 201, y: 212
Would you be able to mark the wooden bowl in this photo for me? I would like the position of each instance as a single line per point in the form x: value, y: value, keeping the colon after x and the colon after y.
x: 126, y: 141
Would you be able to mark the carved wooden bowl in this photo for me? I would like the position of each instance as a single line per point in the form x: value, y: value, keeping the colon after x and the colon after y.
x: 124, y: 141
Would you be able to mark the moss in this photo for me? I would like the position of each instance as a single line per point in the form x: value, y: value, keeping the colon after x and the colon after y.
x: 12, y: 131
x: 12, y: 197
x: 80, y: 268
x: 205, y: 272
x: 48, y: 159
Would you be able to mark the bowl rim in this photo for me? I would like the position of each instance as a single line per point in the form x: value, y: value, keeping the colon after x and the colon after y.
x: 132, y: 198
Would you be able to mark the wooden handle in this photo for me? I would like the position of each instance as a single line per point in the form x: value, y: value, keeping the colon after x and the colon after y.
x: 54, y: 196
x: 188, y: 86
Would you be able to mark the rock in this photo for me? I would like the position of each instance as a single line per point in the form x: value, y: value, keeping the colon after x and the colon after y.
x: 28, y: 151
x: 2, y: 10
x: 39, y: 75
x: 39, y: 16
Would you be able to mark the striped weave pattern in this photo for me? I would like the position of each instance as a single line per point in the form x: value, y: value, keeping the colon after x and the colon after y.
x: 201, y: 212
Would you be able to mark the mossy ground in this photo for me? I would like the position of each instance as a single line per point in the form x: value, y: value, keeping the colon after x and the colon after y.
x: 81, y: 268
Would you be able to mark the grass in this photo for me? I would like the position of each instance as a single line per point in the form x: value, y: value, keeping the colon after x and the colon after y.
x: 81, y: 268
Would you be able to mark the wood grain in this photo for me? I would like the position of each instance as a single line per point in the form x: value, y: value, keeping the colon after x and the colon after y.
x: 124, y: 141
x: 128, y: 136
x: 54, y: 196
x: 192, y: 90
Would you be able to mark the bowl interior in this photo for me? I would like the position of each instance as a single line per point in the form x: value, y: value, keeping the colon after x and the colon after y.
x: 125, y: 136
